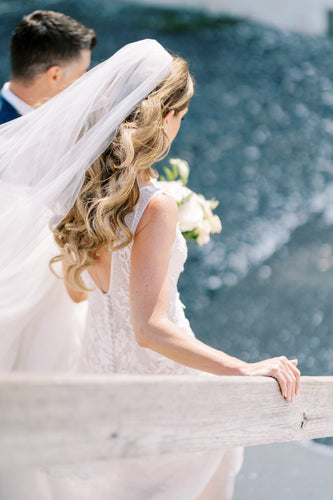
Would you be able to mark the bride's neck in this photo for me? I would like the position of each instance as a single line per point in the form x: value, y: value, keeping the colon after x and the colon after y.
x: 143, y: 181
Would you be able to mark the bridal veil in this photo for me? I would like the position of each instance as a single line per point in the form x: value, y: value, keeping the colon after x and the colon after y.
x: 43, y: 159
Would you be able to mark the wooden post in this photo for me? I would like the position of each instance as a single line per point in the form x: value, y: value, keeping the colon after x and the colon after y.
x: 48, y: 419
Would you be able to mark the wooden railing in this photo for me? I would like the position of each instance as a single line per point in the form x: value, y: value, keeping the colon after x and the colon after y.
x: 47, y: 419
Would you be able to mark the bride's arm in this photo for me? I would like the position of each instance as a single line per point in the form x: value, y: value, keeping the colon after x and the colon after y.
x: 149, y: 300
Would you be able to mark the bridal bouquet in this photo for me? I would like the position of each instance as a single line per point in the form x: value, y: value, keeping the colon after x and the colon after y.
x: 196, y: 219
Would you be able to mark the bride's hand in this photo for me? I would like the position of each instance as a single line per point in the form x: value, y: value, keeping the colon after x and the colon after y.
x: 283, y: 370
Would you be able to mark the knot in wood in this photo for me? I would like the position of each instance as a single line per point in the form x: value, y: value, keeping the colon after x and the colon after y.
x: 304, y: 420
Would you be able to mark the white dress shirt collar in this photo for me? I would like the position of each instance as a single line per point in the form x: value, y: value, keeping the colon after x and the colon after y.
x: 21, y: 107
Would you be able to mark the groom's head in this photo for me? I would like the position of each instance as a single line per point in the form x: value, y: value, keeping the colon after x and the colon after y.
x: 49, y: 50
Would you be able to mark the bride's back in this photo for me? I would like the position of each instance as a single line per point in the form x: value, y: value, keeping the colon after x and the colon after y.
x: 100, y: 271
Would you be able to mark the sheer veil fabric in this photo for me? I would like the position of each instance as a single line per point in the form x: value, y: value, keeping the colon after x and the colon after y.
x: 43, y: 159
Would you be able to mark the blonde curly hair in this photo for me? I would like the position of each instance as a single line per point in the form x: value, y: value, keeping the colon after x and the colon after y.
x: 110, y: 190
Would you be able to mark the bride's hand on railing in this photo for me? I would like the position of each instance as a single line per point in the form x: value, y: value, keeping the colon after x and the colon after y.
x: 283, y: 370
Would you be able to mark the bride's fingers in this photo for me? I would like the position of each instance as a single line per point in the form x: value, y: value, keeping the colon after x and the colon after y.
x: 286, y: 378
x: 291, y: 380
x: 290, y: 383
x: 295, y: 371
x: 279, y: 373
x: 283, y: 384
x: 297, y: 375
x: 283, y: 370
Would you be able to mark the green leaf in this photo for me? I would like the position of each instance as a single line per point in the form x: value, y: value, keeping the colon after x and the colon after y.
x: 174, y: 170
x: 190, y: 235
x: 169, y: 174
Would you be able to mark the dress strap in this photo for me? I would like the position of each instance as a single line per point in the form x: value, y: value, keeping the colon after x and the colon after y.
x: 146, y: 194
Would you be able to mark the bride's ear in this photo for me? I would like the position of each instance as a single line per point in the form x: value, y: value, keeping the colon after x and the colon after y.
x: 167, y: 117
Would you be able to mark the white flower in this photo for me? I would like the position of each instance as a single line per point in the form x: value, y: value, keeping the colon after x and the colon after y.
x: 215, y: 224
x: 174, y: 189
x: 213, y: 204
x: 203, y: 233
x: 195, y: 213
x: 190, y: 215
x: 182, y: 167
x: 207, y: 205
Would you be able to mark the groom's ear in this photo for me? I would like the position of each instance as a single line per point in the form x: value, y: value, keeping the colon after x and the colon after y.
x: 54, y: 76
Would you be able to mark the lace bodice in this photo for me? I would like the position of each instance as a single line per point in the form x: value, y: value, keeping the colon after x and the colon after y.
x: 109, y: 344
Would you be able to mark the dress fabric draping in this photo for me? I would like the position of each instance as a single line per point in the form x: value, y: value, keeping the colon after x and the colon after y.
x: 109, y: 346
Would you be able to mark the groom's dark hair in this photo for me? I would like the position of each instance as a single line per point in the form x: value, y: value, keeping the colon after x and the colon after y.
x: 45, y: 38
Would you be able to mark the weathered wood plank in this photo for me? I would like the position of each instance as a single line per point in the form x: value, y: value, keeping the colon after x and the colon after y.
x: 46, y: 419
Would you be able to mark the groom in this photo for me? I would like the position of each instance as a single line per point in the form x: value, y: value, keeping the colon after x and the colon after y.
x: 48, y: 51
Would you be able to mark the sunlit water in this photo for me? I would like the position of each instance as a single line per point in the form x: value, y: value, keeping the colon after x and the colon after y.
x: 259, y: 139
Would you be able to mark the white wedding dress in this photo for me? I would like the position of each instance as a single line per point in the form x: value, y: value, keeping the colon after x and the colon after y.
x: 109, y: 346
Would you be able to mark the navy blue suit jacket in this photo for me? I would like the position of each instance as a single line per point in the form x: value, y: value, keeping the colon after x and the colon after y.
x: 7, y: 111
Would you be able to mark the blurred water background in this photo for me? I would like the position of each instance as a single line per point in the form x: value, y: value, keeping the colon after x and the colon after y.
x: 259, y: 138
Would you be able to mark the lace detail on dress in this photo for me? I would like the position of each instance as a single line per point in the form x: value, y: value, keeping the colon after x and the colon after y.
x: 109, y: 344
x: 110, y: 347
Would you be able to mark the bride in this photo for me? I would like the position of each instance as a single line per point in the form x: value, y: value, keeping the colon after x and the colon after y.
x: 83, y: 165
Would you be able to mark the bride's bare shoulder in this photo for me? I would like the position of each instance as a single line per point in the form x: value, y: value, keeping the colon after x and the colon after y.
x: 161, y: 211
